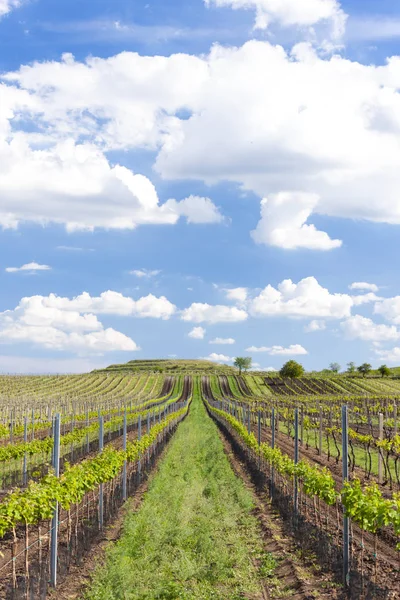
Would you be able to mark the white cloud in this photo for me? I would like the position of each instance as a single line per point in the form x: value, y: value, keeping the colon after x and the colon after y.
x: 113, y: 303
x: 144, y: 273
x: 289, y: 13
x: 275, y: 122
x: 361, y: 285
x: 196, y: 210
x: 365, y: 298
x: 97, y: 342
x: 392, y: 355
x: 33, y: 266
x: 237, y: 294
x: 217, y: 357
x: 268, y: 120
x: 71, y: 184
x: 36, y: 320
x: 315, y: 325
x: 199, y: 313
x: 222, y: 341
x: 362, y: 328
x: 292, y: 350
x: 389, y: 309
x: 270, y: 369
x: 283, y: 223
x: 304, y: 299
x: 197, y: 333
x: 7, y: 6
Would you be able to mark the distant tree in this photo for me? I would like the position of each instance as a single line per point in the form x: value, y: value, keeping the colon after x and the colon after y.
x: 364, y: 369
x: 351, y: 367
x: 292, y: 369
x: 334, y: 367
x: 242, y: 363
x: 384, y: 370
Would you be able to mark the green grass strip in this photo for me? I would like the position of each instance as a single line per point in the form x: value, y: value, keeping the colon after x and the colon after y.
x: 195, y: 535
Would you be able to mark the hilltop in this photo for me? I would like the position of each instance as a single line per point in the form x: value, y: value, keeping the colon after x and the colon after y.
x: 162, y: 365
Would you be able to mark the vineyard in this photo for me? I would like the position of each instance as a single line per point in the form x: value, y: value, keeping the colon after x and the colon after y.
x: 320, y: 456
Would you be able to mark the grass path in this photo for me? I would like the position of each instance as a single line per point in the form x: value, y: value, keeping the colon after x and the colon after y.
x: 195, y: 535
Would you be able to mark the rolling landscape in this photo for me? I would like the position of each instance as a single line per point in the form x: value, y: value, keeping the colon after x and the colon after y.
x: 186, y: 479
x: 199, y: 300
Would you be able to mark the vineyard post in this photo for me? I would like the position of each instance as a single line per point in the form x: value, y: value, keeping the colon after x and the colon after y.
x: 248, y: 420
x: 395, y: 419
x: 11, y: 426
x: 272, y: 446
x: 345, y: 472
x: 101, y: 489
x: 54, y: 522
x: 87, y: 434
x: 33, y: 424
x: 148, y: 422
x: 320, y: 430
x: 296, y: 460
x: 302, y: 426
x: 25, y: 455
x: 380, y: 465
x: 124, y: 467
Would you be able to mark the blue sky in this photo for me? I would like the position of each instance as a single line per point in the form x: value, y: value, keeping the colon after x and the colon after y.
x: 178, y: 161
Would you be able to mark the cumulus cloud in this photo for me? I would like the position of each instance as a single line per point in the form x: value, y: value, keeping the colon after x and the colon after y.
x: 361, y: 285
x: 31, y: 267
x: 315, y: 325
x: 289, y: 13
x: 292, y: 350
x: 392, y: 355
x: 283, y: 223
x: 362, y: 328
x: 196, y: 210
x: 389, y: 309
x: 72, y: 184
x: 144, y: 273
x: 365, y: 298
x: 7, y: 6
x: 268, y: 120
x: 39, y: 321
x: 304, y: 299
x: 237, y: 294
x: 112, y: 303
x: 217, y: 357
x: 222, y: 341
x: 197, y: 333
x: 199, y: 312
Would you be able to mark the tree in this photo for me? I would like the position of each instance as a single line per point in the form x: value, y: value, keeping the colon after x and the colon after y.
x: 292, y: 369
x: 364, y: 369
x: 242, y: 362
x: 334, y: 367
x: 351, y: 367
x: 384, y: 370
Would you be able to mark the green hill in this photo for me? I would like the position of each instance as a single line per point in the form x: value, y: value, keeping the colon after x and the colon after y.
x: 162, y: 365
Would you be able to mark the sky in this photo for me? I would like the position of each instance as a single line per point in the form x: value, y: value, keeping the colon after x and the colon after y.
x: 199, y: 179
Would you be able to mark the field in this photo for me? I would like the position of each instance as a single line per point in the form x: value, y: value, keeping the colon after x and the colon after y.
x: 215, y: 485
